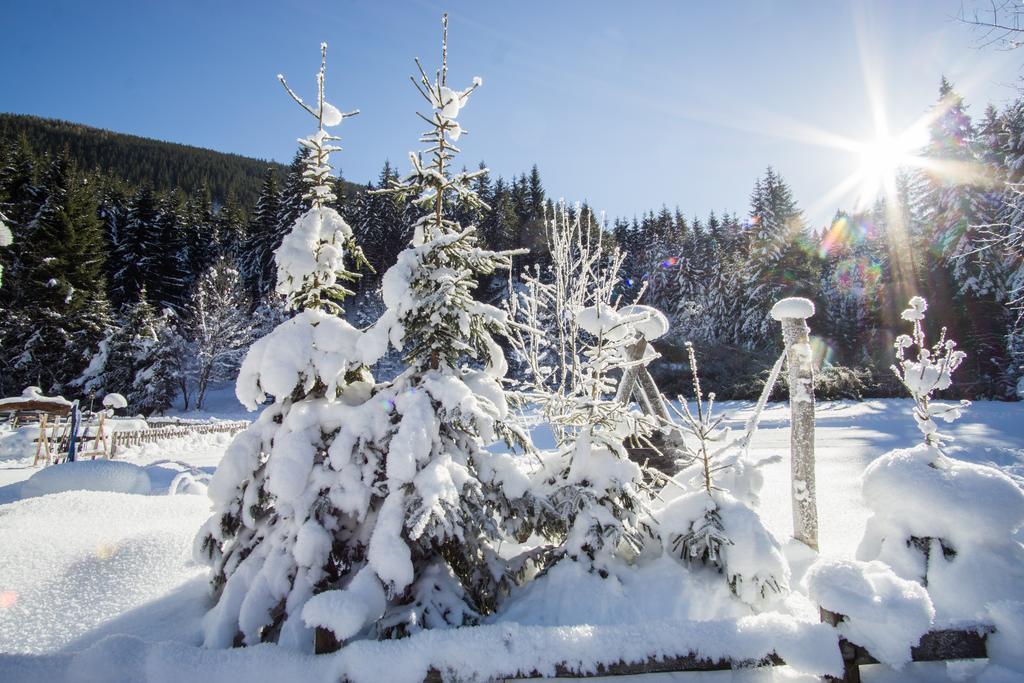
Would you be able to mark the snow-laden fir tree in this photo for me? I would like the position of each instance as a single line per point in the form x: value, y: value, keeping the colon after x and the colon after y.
x: 132, y: 361
x: 716, y: 524
x: 291, y: 499
x: 944, y: 522
x: 442, y: 501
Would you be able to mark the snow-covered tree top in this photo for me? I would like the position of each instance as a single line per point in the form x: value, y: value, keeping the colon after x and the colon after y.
x: 318, y: 168
x: 311, y: 259
x: 793, y: 307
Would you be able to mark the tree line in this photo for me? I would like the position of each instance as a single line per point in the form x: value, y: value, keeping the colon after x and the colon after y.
x: 156, y: 291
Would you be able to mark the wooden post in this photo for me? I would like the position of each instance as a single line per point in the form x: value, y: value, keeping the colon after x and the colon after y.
x: 793, y: 314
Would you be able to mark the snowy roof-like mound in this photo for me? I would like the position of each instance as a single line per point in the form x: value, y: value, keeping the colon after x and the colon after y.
x: 614, y: 324
x: 793, y: 307
x: 34, y: 395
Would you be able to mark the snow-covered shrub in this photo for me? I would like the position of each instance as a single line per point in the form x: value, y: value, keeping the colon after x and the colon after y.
x: 574, y: 338
x: 435, y: 501
x: 883, y: 613
x: 943, y: 522
x: 293, y: 489
x: 711, y: 526
x: 546, y: 333
x: 592, y: 490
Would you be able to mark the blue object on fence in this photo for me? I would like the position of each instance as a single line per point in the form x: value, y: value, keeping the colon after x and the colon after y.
x: 76, y: 421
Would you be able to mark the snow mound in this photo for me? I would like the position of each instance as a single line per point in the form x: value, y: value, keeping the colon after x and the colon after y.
x: 87, y: 475
x: 1004, y: 646
x: 950, y: 521
x: 115, y: 400
x: 18, y: 444
x: 74, y: 560
x: 884, y: 613
x: 753, y: 563
x: 793, y: 307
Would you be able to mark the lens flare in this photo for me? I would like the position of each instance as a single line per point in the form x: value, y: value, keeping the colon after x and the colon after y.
x: 822, y: 352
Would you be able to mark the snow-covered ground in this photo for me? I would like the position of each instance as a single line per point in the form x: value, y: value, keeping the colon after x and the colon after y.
x: 101, y: 586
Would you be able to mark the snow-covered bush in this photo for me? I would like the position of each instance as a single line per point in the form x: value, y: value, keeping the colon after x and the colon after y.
x: 711, y: 526
x: 436, y: 506
x: 943, y: 522
x: 594, y: 507
x: 574, y: 339
x: 883, y: 613
x: 293, y: 489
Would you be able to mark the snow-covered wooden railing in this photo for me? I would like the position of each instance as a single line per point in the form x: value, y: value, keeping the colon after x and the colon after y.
x: 935, y: 646
x: 126, y: 439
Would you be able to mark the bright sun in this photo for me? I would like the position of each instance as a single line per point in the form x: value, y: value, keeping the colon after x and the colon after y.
x: 881, y: 160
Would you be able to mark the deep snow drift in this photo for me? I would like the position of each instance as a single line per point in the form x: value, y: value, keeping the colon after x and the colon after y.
x: 79, y: 567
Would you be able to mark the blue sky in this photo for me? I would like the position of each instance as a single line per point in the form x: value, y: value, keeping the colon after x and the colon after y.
x: 626, y: 106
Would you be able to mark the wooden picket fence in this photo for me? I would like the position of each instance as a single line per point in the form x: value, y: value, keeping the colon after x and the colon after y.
x: 136, y: 437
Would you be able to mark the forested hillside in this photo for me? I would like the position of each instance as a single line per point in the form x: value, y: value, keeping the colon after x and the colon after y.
x: 137, y: 278
x: 136, y: 160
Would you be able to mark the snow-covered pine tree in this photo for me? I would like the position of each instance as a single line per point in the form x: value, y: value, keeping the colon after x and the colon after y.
x: 439, y: 509
x: 715, y: 524
x: 136, y: 248
x: 64, y: 291
x: 132, y: 360
x: 777, y: 257
x: 946, y: 523
x: 257, y: 261
x: 292, y: 498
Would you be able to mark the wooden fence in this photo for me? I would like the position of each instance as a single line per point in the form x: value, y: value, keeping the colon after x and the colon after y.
x: 136, y: 437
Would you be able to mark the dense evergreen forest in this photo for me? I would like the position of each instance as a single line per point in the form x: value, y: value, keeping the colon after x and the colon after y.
x: 147, y: 268
x: 165, y: 166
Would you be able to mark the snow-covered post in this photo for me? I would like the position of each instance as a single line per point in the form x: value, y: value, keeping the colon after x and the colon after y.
x: 793, y: 314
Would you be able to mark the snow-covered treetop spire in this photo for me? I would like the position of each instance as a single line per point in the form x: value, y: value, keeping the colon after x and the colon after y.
x: 318, y: 168
x: 311, y: 269
x: 429, y: 291
x: 428, y: 184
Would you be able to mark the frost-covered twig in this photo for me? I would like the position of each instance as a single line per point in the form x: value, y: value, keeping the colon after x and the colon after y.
x: 931, y: 371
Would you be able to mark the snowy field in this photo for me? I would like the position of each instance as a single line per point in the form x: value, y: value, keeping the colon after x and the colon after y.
x: 101, y: 586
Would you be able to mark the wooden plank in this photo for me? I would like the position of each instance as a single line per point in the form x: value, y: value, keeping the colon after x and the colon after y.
x: 681, y: 663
